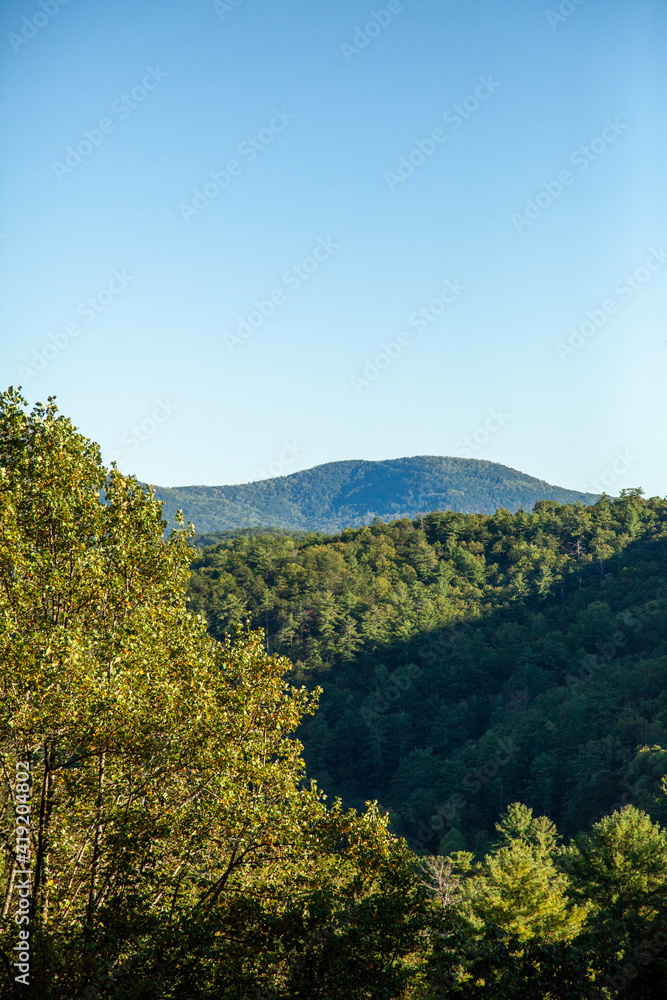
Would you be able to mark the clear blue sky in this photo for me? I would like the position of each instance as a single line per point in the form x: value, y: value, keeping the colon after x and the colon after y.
x: 325, y: 204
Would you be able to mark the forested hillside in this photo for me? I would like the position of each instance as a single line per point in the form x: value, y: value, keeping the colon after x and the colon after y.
x: 160, y: 838
x: 348, y: 494
x: 468, y: 661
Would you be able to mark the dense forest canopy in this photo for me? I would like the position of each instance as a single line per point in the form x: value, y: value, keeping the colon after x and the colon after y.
x: 469, y: 660
x: 160, y: 837
x: 336, y: 495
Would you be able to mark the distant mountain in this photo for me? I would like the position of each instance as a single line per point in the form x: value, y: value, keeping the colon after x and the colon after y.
x: 349, y: 494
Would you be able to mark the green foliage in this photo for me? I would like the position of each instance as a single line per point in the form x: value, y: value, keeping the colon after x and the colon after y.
x: 518, y: 890
x: 172, y: 828
x: 177, y: 851
x: 508, y: 927
x: 621, y: 869
x: 468, y: 660
x: 347, y: 494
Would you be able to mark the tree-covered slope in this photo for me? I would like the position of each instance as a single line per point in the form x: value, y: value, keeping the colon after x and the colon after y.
x: 348, y: 494
x: 158, y: 837
x: 468, y: 661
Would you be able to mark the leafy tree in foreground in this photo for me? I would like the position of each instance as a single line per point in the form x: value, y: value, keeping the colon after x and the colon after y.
x: 175, y: 849
x: 621, y: 868
x: 508, y: 924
